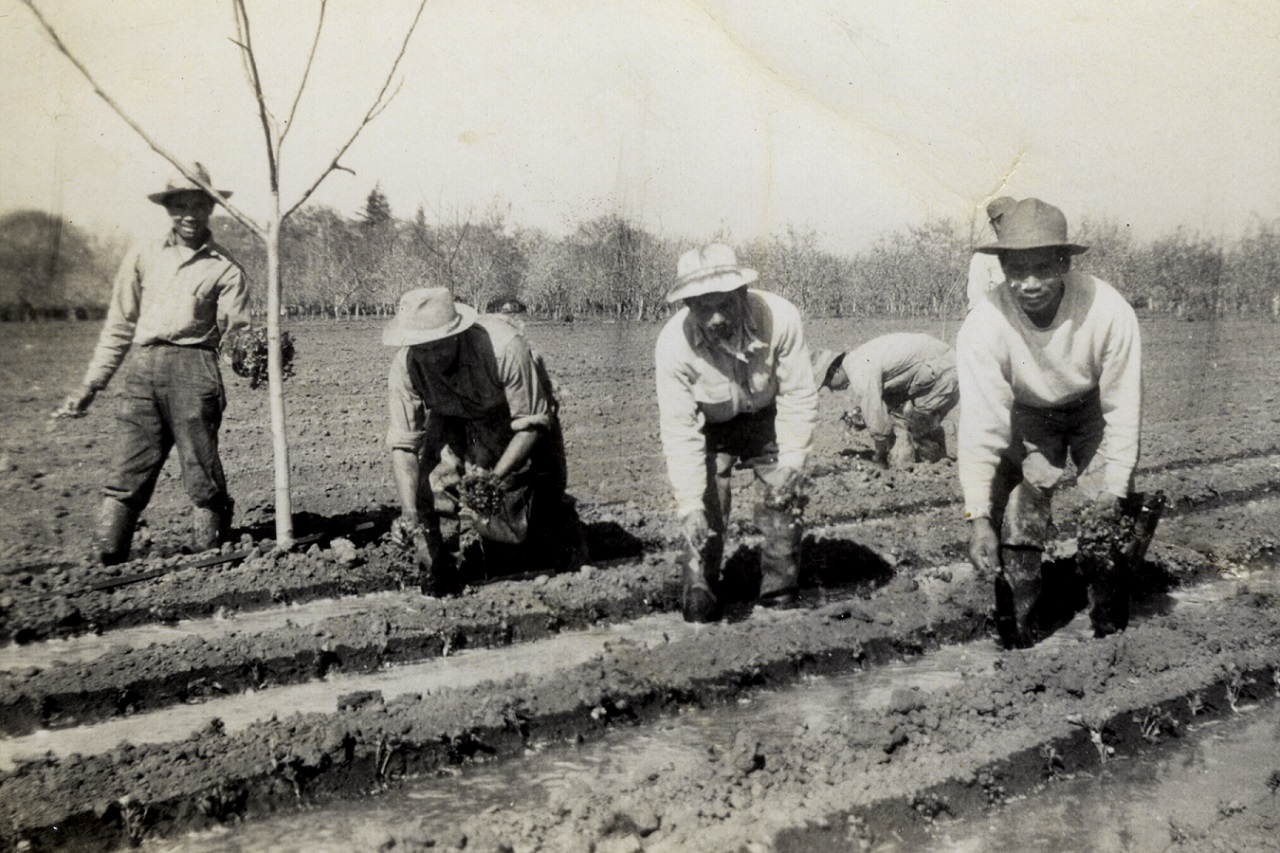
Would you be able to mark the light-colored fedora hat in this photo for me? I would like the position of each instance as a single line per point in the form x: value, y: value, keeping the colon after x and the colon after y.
x: 1032, y: 224
x: 180, y: 183
x: 711, y: 269
x: 824, y: 361
x: 425, y: 315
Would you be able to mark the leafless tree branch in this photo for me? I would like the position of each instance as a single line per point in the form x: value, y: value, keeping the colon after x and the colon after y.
x: 240, y: 216
x: 306, y: 72
x: 379, y: 103
x: 255, y: 82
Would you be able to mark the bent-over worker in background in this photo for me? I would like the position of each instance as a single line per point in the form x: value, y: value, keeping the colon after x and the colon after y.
x: 735, y: 385
x: 985, y: 272
x: 904, y: 385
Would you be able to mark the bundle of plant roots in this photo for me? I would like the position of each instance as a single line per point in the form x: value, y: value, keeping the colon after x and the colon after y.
x: 790, y: 498
x: 481, y: 493
x: 248, y: 350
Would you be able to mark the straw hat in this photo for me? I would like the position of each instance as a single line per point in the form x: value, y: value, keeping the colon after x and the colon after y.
x: 425, y: 315
x: 180, y: 183
x: 1032, y: 224
x: 711, y: 269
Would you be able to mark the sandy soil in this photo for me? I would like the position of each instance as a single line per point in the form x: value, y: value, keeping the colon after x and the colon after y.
x: 883, y: 571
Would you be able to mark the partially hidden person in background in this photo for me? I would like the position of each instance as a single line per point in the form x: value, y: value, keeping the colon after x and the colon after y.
x: 735, y: 386
x: 468, y: 390
x: 173, y: 301
x: 985, y: 272
x: 903, y: 385
x: 1050, y: 369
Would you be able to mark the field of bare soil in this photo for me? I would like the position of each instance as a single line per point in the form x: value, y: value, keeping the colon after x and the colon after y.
x: 186, y: 700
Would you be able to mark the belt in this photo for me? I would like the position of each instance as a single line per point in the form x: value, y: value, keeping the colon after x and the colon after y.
x: 206, y: 347
x: 1064, y: 408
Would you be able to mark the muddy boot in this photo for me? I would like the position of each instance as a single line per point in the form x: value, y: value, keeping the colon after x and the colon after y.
x: 701, y: 568
x: 1109, y: 549
x: 115, y: 532
x: 437, y: 566
x: 1018, y: 596
x: 779, y: 556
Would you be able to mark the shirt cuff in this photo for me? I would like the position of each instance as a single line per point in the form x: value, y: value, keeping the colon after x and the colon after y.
x: 530, y: 422
x: 794, y: 459
x: 405, y: 439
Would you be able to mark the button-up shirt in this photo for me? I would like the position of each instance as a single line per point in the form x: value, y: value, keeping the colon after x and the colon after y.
x: 496, y: 386
x: 891, y: 369
x: 168, y: 293
x: 1003, y: 358
x: 701, y: 382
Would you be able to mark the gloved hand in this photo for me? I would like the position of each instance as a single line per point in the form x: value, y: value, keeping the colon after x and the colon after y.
x: 76, y: 405
x: 984, y: 548
x: 403, y: 532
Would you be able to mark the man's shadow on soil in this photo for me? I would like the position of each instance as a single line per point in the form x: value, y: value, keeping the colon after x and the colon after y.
x: 1064, y: 592
x: 824, y: 564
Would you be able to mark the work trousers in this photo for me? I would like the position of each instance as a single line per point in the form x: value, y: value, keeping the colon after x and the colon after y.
x: 749, y: 440
x: 173, y: 399
x: 1032, y: 467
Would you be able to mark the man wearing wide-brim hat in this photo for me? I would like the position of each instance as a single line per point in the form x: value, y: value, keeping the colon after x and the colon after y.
x: 467, y: 387
x: 173, y: 301
x: 903, y: 384
x: 735, y: 385
x: 1050, y: 369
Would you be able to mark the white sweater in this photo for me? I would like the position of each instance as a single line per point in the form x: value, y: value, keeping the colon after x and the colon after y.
x: 1002, y: 358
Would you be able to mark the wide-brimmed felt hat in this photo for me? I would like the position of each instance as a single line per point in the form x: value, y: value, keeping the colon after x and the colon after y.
x: 180, y: 183
x: 425, y: 315
x: 711, y: 269
x: 824, y: 361
x: 1032, y: 224
x: 998, y: 207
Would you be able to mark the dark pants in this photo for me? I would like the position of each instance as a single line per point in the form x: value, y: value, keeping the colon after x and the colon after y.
x: 173, y: 400
x: 1029, y: 471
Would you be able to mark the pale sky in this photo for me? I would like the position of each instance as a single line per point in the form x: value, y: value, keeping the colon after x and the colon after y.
x: 687, y: 116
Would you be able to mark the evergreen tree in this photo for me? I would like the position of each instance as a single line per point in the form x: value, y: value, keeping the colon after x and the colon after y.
x: 377, y: 210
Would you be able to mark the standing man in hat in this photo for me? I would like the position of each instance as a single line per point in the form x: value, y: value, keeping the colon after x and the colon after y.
x: 173, y: 301
x: 1050, y: 368
x: 904, y: 384
x: 734, y: 385
x: 468, y: 387
x: 985, y: 273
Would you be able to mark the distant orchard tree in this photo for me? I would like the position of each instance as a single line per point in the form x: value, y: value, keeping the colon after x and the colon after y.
x: 49, y: 265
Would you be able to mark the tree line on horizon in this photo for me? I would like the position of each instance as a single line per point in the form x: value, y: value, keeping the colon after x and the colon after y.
x: 609, y: 267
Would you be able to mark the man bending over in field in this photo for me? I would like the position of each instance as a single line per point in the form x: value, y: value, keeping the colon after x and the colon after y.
x: 467, y: 388
x: 734, y: 385
x: 904, y: 385
x: 1050, y: 369
x: 985, y: 272
x: 174, y: 300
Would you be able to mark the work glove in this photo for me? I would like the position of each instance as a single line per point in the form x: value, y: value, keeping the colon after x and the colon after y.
x: 403, y: 532
x: 76, y: 405
x: 984, y: 548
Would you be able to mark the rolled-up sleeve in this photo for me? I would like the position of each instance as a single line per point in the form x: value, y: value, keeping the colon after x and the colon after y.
x: 986, y: 411
x: 1120, y: 391
x: 680, y: 423
x: 406, y: 414
x: 122, y: 321
x: 797, y: 399
x: 527, y: 396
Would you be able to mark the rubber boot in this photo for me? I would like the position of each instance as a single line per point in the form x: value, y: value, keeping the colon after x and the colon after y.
x: 779, y: 556
x: 206, y: 529
x: 1108, y: 552
x: 1018, y: 596
x: 701, y: 567
x: 437, y: 566
x: 115, y: 532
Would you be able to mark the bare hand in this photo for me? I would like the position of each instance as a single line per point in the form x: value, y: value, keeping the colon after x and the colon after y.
x: 76, y: 405
x: 984, y: 547
x: 696, y: 528
x: 1106, y: 505
x: 403, y: 532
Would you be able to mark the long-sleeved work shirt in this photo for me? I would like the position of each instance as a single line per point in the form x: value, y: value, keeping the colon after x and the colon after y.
x: 168, y: 293
x: 891, y: 369
x: 495, y: 387
x: 1003, y: 359
x: 701, y: 382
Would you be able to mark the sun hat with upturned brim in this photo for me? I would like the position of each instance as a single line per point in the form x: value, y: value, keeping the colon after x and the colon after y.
x: 825, y: 361
x: 180, y: 183
x: 711, y: 269
x: 1032, y: 224
x: 425, y: 315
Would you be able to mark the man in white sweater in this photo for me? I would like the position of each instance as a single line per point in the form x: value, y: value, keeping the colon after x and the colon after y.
x: 1050, y: 369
